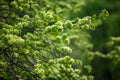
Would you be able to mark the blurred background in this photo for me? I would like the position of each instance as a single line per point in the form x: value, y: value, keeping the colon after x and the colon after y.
x: 106, y: 64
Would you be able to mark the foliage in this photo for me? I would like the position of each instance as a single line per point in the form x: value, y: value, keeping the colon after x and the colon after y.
x: 103, y: 39
x: 114, y: 47
x: 81, y: 43
x: 34, y: 40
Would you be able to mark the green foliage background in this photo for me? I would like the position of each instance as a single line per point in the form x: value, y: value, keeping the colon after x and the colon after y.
x: 105, y: 39
x: 59, y: 40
